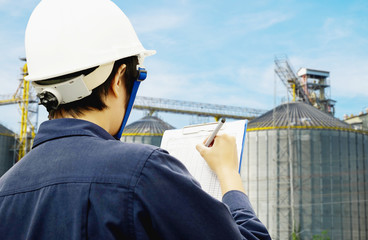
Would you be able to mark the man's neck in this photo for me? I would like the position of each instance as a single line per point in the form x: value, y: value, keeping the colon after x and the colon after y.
x: 100, y: 118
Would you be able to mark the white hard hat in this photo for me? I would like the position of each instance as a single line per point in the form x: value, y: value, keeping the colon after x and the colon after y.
x: 67, y: 36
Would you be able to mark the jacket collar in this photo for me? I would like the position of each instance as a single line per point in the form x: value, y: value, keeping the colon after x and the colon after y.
x: 67, y: 127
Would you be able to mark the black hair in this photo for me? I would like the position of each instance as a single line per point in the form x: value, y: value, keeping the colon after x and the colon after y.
x: 95, y: 100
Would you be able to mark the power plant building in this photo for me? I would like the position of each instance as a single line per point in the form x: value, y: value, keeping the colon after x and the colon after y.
x: 305, y: 173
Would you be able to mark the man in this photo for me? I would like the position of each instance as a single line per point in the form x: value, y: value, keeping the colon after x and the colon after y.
x: 80, y: 182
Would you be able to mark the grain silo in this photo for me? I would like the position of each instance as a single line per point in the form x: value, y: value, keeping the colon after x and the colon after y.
x: 305, y: 173
x: 7, y: 149
x: 148, y: 130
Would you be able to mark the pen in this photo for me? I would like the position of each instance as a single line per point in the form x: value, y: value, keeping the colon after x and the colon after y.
x: 214, y: 133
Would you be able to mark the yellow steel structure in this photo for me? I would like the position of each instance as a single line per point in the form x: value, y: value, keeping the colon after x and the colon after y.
x: 24, y: 113
x: 27, y: 129
x: 10, y: 101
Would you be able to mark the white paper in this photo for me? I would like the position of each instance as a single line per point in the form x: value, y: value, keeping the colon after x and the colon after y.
x: 181, y: 143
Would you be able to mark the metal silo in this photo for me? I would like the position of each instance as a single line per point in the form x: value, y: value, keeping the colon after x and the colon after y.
x: 305, y: 173
x: 148, y: 130
x: 7, y: 148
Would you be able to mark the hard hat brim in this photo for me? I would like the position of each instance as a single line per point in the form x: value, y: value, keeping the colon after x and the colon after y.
x: 141, y: 56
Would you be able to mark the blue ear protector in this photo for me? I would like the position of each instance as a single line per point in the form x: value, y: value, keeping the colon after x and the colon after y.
x: 142, y: 75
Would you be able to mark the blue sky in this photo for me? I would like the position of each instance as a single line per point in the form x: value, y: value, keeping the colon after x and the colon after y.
x: 223, y: 51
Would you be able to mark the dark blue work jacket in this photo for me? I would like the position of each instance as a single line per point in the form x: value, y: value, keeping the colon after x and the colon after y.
x: 78, y: 182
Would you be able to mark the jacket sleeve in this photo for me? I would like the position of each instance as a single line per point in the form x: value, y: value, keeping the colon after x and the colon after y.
x: 170, y: 204
x: 241, y: 210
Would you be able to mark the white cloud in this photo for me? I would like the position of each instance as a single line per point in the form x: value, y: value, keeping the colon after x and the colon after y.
x: 4, y: 2
x: 157, y: 20
x: 17, y: 8
x: 250, y: 22
x: 218, y: 86
x: 334, y: 29
x: 349, y: 77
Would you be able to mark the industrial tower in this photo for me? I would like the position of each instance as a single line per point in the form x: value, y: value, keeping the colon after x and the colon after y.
x: 316, y: 85
x: 308, y: 85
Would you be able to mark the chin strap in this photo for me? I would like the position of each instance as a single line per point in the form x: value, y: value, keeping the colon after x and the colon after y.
x: 142, y: 74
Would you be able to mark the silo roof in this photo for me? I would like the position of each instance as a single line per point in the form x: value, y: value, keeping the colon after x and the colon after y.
x: 297, y: 115
x: 5, y: 131
x: 147, y: 126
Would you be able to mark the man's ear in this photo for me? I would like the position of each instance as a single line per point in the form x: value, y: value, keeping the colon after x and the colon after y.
x: 117, y: 81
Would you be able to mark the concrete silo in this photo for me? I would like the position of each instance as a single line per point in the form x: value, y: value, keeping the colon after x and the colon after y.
x: 7, y: 149
x: 305, y: 173
x: 148, y: 130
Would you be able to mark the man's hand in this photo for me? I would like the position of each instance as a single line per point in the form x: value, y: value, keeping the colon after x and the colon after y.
x: 222, y: 158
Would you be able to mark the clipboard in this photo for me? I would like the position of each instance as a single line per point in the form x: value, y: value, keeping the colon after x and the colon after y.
x: 181, y: 143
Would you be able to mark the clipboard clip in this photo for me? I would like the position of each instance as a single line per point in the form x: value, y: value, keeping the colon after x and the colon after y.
x: 205, y: 128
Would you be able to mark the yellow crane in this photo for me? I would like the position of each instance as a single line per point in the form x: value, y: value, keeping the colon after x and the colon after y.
x: 24, y: 96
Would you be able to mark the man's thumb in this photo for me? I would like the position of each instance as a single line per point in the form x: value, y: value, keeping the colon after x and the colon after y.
x: 201, y: 149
